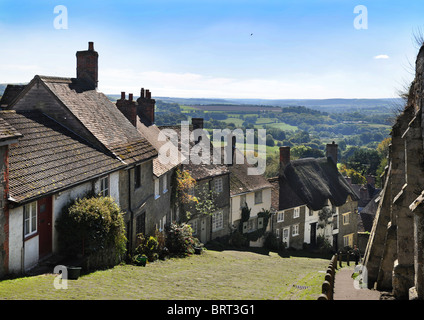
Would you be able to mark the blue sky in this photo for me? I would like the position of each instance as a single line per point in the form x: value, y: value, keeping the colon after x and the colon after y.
x: 283, y: 49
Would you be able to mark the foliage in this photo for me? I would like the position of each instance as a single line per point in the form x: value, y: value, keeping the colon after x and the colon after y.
x: 355, y: 177
x: 92, y: 225
x: 323, y: 244
x: 180, y: 240
x: 147, y: 246
x: 259, y: 232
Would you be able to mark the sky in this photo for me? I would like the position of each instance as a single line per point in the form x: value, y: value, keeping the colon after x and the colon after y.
x: 268, y: 49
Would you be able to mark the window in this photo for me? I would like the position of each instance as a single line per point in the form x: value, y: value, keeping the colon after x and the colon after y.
x: 243, y: 201
x: 140, y: 223
x: 335, y: 222
x: 217, y: 221
x: 348, y: 240
x: 157, y: 192
x: 280, y: 216
x: 296, y: 212
x: 285, y: 232
x: 30, y: 218
x: 277, y: 233
x: 251, y: 225
x: 218, y: 185
x: 162, y: 224
x: 295, y: 230
x: 165, y: 183
x: 346, y: 218
x: 104, y: 186
x: 258, y: 197
x: 137, y: 177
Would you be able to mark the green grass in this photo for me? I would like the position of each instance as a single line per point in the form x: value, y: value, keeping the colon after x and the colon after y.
x: 214, y: 275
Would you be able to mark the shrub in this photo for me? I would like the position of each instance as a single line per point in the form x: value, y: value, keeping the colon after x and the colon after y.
x: 179, y: 239
x: 147, y: 246
x: 93, y: 227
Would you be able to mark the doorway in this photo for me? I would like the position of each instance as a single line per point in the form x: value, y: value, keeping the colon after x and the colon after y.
x: 44, y: 208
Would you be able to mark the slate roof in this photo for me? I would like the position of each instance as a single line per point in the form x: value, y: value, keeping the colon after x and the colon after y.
x: 313, y: 181
x: 241, y: 182
x: 10, y: 93
x: 49, y: 157
x: 200, y: 171
x: 367, y: 214
x: 100, y: 117
x: 7, y: 132
x: 151, y: 133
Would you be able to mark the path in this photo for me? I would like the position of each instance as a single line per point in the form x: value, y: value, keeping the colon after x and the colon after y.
x: 344, y: 289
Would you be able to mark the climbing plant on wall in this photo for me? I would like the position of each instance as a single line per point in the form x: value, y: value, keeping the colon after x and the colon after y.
x: 262, y: 223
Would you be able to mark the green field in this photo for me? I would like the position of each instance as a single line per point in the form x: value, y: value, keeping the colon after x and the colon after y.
x: 214, y: 275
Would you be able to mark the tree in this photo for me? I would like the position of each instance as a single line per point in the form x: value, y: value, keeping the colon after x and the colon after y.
x: 365, y: 161
x: 270, y: 140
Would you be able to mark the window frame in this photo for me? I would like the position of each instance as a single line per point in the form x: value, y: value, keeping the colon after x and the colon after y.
x: 296, y: 212
x: 218, y: 184
x: 261, y: 197
x: 295, y: 230
x: 346, y: 218
x: 164, y: 183
x: 157, y: 188
x: 280, y: 216
x: 104, y: 186
x: 217, y: 221
x: 32, y: 219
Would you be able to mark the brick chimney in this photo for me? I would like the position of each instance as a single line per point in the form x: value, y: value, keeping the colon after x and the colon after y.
x: 284, y: 159
x: 331, y: 151
x: 128, y: 108
x: 146, y: 107
x: 87, y: 65
x: 197, y: 123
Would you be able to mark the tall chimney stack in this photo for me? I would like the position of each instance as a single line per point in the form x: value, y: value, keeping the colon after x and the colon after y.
x: 284, y: 159
x: 128, y: 108
x: 87, y: 65
x: 146, y: 107
x: 331, y: 151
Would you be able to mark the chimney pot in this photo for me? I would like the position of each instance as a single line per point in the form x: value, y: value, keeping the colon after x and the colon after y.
x: 130, y: 97
x: 91, y: 46
x: 123, y: 95
x: 142, y: 93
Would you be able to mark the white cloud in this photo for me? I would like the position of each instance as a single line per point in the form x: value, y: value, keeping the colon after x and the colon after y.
x: 382, y: 56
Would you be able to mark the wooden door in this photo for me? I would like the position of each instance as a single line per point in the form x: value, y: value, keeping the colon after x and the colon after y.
x: 44, y: 208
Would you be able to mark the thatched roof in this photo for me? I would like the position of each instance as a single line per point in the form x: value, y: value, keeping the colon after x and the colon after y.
x: 313, y: 181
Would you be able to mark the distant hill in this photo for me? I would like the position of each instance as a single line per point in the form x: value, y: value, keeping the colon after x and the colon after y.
x: 329, y: 105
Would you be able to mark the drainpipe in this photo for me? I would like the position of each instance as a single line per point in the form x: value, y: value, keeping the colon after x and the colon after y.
x: 130, y: 211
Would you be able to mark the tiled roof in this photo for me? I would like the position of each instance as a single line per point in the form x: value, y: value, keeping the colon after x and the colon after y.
x: 101, y: 117
x: 49, y: 157
x: 200, y: 171
x: 151, y: 133
x: 241, y: 182
x: 7, y: 132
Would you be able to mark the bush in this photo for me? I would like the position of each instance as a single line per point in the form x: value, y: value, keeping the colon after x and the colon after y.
x: 93, y: 227
x: 179, y: 239
x: 147, y: 246
x: 271, y: 241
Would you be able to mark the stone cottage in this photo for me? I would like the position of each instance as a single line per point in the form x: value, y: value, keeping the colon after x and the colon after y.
x: 251, y: 191
x: 74, y: 141
x: 212, y: 182
x: 394, y: 257
x: 310, y: 198
x: 141, y: 113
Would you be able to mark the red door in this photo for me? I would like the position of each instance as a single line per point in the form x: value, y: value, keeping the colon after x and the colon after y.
x: 44, y: 208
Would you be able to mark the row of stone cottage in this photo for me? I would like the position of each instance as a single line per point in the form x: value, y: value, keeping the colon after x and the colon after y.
x: 60, y: 139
